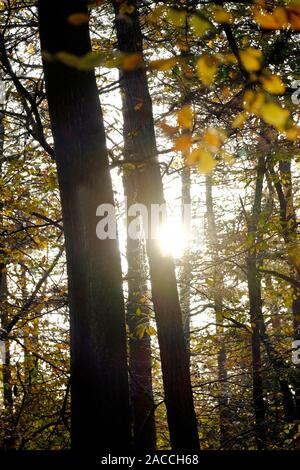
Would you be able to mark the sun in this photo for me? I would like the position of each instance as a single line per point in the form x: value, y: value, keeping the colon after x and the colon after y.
x: 172, y: 238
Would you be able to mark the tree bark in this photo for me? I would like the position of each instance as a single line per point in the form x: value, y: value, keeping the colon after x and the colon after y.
x: 256, y: 314
x: 186, y: 272
x: 140, y: 360
x: 212, y: 234
x: 99, y: 379
x: 140, y: 144
x: 288, y: 219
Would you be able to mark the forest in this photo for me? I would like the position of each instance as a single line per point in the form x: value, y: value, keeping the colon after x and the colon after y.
x: 149, y: 226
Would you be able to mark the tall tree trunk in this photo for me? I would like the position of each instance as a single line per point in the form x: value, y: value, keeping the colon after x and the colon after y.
x: 218, y: 306
x: 186, y: 271
x: 256, y: 314
x: 140, y: 144
x: 31, y: 338
x: 288, y: 219
x: 99, y: 379
x: 5, y: 354
x: 140, y: 360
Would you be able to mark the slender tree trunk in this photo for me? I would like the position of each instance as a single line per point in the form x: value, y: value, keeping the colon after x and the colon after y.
x: 140, y: 144
x: 31, y: 339
x: 5, y: 354
x: 256, y: 314
x: 140, y: 360
x: 218, y: 305
x: 288, y: 220
x: 186, y: 272
x: 99, y: 380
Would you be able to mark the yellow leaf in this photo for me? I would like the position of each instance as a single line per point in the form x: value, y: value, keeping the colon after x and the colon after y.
x: 141, y: 330
x: 183, y: 143
x: 251, y: 59
x: 155, y: 15
x: 185, y: 117
x: 207, y: 68
x: 68, y: 59
x: 222, y: 16
x: 294, y: 16
x: 169, y: 130
x: 176, y: 17
x: 163, y: 64
x: 151, y: 330
x: 239, y: 120
x: 203, y: 159
x: 126, y: 8
x: 78, y: 19
x: 138, y: 105
x: 183, y: 45
x: 213, y: 137
x: 274, y: 115
x: 131, y: 62
x: 199, y: 25
x: 273, y: 84
x: 293, y: 133
x: 274, y: 20
x: 227, y: 157
x: 253, y: 101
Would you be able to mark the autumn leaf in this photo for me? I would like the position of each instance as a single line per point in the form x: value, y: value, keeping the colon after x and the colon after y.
x: 126, y: 8
x: 253, y: 101
x: 251, y: 59
x: 199, y: 25
x: 273, y: 84
x: 68, y: 59
x: 293, y: 12
x: 222, y: 16
x: 131, y: 62
x: 185, y: 117
x: 139, y: 105
x: 207, y: 67
x: 274, y: 20
x: 183, y: 143
x: 176, y: 17
x: 293, y: 133
x: 203, y: 159
x: 163, y: 64
x: 274, y: 115
x: 140, y: 330
x: 86, y: 62
x: 169, y: 130
x: 155, y: 15
x: 78, y: 19
x: 279, y: 18
x: 239, y: 120
x: 214, y: 138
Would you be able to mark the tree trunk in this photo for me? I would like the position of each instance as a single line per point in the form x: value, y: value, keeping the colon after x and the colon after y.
x: 140, y: 361
x: 218, y: 306
x: 186, y: 272
x: 140, y: 145
x: 256, y: 314
x: 288, y: 220
x: 99, y: 379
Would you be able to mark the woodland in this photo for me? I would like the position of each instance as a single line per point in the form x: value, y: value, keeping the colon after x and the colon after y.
x: 189, y: 340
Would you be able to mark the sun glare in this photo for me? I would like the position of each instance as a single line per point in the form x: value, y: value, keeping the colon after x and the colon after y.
x: 172, y: 238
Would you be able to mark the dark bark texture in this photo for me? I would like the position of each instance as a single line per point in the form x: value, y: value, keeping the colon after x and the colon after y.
x: 99, y: 379
x: 140, y: 145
